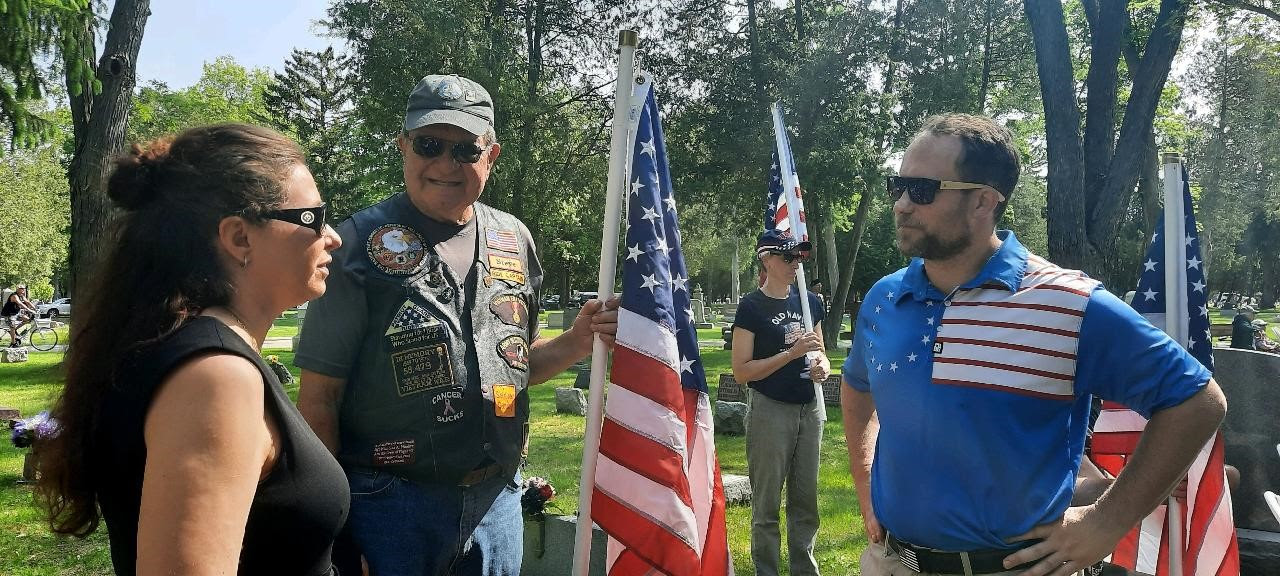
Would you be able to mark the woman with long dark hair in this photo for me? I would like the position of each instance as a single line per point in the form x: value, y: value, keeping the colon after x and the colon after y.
x: 173, y: 429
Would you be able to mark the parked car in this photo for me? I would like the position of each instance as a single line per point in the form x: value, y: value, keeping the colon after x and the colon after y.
x: 60, y: 308
x: 551, y: 302
x: 582, y: 297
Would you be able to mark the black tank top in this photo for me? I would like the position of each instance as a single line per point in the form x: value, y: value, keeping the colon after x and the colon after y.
x: 10, y: 307
x: 298, y: 508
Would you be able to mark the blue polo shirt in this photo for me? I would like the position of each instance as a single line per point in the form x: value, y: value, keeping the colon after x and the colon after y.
x: 967, y: 467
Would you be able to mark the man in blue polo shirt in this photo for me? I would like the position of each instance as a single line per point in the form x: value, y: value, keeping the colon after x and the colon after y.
x: 971, y: 375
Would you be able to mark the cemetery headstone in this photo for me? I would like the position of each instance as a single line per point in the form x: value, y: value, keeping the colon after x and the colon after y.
x: 731, y: 418
x: 737, y: 489
x: 1251, y: 432
x: 548, y: 547
x: 571, y: 401
x: 13, y: 355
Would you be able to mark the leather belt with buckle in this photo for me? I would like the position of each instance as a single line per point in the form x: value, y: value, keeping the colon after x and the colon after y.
x: 921, y: 559
x: 480, y: 474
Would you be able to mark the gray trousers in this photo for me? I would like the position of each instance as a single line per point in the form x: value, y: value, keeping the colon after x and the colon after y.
x: 783, y: 442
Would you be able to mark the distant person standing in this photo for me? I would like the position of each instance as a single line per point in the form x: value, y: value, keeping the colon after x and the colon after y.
x: 1242, y: 330
x: 784, y: 422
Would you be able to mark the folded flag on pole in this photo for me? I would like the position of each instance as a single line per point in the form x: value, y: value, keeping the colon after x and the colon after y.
x: 1208, y: 529
x: 658, y: 493
x: 782, y: 201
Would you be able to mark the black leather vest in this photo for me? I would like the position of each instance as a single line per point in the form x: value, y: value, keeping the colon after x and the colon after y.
x: 439, y: 386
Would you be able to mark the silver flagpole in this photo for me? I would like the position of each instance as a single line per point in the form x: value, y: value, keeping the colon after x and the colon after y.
x: 1175, y: 305
x: 790, y: 183
x: 627, y: 40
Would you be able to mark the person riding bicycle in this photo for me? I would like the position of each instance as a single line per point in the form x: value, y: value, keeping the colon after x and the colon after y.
x: 17, y: 312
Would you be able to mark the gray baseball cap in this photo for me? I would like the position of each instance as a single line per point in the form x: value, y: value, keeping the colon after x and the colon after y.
x: 449, y: 99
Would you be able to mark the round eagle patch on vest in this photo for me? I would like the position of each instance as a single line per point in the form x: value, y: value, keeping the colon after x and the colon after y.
x: 396, y: 249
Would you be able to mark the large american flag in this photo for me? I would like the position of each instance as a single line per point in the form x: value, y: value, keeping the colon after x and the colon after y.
x: 776, y: 213
x: 658, y: 493
x: 1208, y: 530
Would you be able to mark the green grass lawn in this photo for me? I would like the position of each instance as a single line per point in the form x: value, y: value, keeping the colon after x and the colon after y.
x: 555, y: 451
x: 286, y: 326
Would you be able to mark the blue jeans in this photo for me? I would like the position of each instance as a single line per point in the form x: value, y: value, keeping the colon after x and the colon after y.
x: 409, y: 529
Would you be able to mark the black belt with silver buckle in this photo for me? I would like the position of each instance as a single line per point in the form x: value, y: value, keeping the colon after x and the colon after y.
x: 921, y: 559
x: 480, y: 474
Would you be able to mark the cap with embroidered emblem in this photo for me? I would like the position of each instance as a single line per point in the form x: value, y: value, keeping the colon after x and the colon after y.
x: 449, y: 99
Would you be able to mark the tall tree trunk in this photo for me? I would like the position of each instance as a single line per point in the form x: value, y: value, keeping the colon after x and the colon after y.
x: 99, y: 131
x: 1107, y: 34
x: 1139, y: 116
x: 985, y: 82
x: 800, y: 31
x: 535, y: 27
x: 753, y: 32
x: 832, y: 261
x: 840, y: 296
x: 840, y: 292
x: 1068, y: 245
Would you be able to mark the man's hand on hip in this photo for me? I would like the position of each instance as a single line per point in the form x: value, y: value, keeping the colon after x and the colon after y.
x: 1074, y: 542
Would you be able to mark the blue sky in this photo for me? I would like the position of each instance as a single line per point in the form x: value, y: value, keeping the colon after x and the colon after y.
x: 183, y: 34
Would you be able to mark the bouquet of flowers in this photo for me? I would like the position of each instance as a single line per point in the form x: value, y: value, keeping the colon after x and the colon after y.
x: 281, y: 371
x: 39, y: 427
x: 537, y: 491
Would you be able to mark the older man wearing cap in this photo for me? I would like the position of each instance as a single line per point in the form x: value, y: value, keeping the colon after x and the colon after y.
x: 416, y: 361
x: 779, y: 360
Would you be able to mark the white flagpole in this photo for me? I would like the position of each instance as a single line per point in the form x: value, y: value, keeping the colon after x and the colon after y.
x: 627, y: 41
x: 790, y: 184
x: 1175, y: 307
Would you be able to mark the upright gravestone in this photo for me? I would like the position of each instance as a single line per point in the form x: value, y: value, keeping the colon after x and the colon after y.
x: 1251, y: 433
x: 302, y: 315
x: 570, y: 313
x: 698, y: 303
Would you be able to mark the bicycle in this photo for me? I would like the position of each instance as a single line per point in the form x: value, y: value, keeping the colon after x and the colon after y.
x: 38, y: 336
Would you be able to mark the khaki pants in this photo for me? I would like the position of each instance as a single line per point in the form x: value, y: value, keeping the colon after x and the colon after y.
x: 878, y: 560
x: 783, y: 442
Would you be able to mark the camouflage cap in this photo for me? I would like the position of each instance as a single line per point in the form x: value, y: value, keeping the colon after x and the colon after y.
x: 449, y: 99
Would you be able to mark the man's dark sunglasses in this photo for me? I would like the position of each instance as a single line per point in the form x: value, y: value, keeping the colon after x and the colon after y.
x: 464, y: 152
x: 923, y: 190
x: 788, y: 257
x: 312, y: 218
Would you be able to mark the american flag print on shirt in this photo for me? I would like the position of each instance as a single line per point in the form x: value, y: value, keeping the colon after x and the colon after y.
x: 1209, y: 545
x: 658, y: 493
x: 1023, y: 341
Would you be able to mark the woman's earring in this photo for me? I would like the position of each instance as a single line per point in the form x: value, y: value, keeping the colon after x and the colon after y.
x: 245, y: 264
